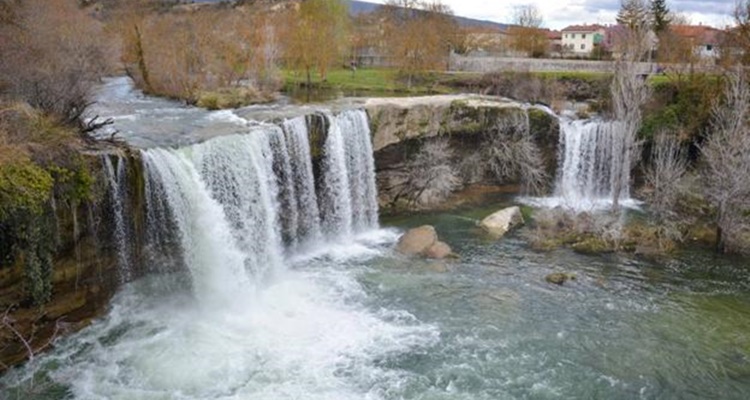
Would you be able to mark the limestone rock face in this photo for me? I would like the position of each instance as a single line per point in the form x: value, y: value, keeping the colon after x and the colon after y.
x: 500, y: 222
x: 417, y: 241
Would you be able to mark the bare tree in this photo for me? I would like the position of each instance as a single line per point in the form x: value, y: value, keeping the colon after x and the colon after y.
x: 432, y: 176
x: 52, y: 55
x: 512, y: 153
x: 418, y: 35
x: 726, y: 154
x: 630, y: 91
x: 664, y: 177
x: 528, y: 37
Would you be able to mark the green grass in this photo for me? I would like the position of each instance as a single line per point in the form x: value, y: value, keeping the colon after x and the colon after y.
x: 379, y: 80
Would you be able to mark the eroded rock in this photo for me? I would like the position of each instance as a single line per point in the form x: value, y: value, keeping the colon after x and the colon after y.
x: 417, y: 241
x: 500, y: 222
x: 438, y: 250
x: 423, y: 241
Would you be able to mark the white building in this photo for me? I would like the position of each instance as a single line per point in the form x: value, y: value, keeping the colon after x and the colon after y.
x: 580, y: 39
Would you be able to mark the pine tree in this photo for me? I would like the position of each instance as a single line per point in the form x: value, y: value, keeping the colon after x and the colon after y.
x: 633, y: 13
x: 660, y: 15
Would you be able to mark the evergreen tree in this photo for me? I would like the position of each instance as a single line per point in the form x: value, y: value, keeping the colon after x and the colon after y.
x: 634, y: 14
x: 660, y: 15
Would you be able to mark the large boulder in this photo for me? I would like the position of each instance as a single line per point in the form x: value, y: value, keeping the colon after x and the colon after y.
x: 500, y: 222
x: 423, y: 241
x: 416, y: 241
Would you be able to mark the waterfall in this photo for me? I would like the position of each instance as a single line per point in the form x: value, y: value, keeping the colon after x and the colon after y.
x: 591, y: 153
x: 241, y: 203
x: 211, y: 253
x: 282, y: 167
x: 360, y: 168
x: 592, y: 166
x: 117, y: 190
x: 349, y: 193
x: 238, y: 170
x: 298, y: 147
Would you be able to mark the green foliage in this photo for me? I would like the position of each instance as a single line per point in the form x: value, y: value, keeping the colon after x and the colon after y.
x: 25, y: 193
x: 683, y: 106
x: 24, y: 188
x: 659, y: 15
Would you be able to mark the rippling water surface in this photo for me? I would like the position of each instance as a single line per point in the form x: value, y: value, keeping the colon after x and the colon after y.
x: 352, y: 320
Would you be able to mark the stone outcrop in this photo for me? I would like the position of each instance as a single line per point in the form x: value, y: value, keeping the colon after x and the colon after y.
x: 394, y: 120
x: 402, y: 127
x: 423, y: 241
x: 500, y: 222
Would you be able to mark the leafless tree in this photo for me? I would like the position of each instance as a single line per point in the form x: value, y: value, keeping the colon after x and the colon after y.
x: 630, y: 91
x: 512, y: 153
x: 726, y: 154
x: 664, y: 178
x: 432, y: 176
x: 53, y: 54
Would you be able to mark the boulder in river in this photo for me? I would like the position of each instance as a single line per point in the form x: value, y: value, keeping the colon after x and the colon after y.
x: 438, y: 250
x: 558, y: 278
x: 423, y: 241
x: 500, y: 222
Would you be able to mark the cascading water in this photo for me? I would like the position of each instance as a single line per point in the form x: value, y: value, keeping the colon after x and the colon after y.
x: 116, y: 180
x: 249, y: 195
x: 591, y: 167
x: 591, y: 151
x: 238, y: 170
x: 349, y: 192
x: 215, y: 260
x: 298, y: 146
x: 265, y: 325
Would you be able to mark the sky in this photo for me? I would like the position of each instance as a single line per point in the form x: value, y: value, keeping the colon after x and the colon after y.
x: 558, y: 14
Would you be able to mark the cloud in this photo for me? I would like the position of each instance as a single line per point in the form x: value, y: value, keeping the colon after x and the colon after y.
x: 561, y: 13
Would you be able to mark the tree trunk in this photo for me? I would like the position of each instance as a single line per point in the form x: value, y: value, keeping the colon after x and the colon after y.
x: 142, y: 68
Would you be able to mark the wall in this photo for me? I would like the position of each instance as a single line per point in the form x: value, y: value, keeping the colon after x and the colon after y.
x: 490, y: 64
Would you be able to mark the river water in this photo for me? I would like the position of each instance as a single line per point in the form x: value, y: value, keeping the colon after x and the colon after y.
x: 356, y: 321
x: 290, y: 299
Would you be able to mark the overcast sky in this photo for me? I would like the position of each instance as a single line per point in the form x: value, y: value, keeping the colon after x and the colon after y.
x: 561, y: 13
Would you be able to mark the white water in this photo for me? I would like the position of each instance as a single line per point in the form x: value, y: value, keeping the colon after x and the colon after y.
x: 116, y: 180
x: 349, y: 192
x: 256, y: 324
x: 590, y: 152
x: 298, y: 146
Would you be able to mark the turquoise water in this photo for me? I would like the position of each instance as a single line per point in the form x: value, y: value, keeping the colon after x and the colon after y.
x: 355, y: 321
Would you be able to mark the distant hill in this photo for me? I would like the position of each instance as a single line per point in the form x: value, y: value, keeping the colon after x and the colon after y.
x: 363, y: 7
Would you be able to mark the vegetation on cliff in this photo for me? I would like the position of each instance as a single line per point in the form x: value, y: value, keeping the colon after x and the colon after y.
x: 52, y: 57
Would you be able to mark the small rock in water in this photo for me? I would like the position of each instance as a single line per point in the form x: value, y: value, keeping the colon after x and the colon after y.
x: 423, y: 241
x: 500, y: 222
x: 416, y: 241
x: 438, y: 250
x: 558, y: 278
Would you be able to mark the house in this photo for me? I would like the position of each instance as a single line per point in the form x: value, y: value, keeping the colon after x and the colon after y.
x: 581, y: 39
x: 704, y: 40
x: 554, y: 39
x: 616, y: 39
